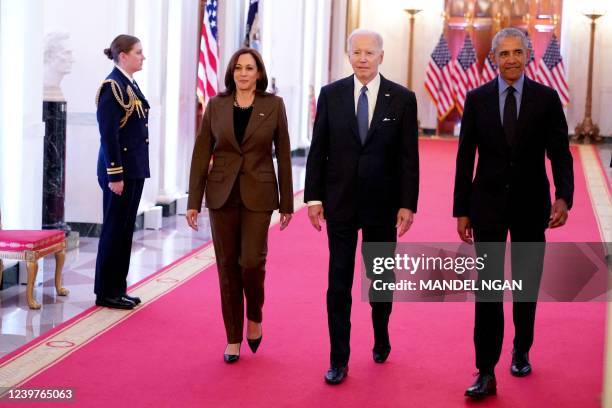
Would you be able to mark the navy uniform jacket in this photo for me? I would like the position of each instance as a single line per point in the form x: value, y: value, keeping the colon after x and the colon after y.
x: 124, y: 135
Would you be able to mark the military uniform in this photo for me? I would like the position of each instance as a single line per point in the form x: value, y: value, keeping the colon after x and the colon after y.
x: 122, y: 112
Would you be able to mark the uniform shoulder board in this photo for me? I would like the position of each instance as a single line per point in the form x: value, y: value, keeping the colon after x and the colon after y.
x: 117, y: 92
x: 132, y: 104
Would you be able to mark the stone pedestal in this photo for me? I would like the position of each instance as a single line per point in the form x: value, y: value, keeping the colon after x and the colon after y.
x: 54, y: 171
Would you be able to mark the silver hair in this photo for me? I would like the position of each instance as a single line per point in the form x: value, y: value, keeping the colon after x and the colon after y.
x: 54, y: 44
x: 363, y: 31
x: 509, y: 32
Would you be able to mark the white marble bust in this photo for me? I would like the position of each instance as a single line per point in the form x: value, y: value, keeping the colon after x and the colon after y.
x: 57, y: 63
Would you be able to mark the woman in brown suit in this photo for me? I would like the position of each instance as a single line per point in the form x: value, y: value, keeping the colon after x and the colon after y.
x: 239, y: 129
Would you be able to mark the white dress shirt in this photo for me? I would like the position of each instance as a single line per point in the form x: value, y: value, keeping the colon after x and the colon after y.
x: 372, y: 94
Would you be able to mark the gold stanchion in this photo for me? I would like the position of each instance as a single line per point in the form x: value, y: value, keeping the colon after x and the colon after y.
x: 412, y: 10
x: 587, y: 131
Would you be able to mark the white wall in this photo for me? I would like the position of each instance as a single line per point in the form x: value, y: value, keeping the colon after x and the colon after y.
x: 169, y: 34
x: 83, y: 195
x: 295, y: 48
x: 575, y: 37
x: 92, y: 25
x: 21, y: 127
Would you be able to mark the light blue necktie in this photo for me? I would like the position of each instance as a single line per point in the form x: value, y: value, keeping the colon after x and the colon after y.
x: 362, y: 114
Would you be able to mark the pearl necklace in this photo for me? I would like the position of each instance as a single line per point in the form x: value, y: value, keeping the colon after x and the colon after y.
x: 236, y: 104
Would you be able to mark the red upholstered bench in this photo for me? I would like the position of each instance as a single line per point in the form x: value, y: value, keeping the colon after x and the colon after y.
x: 30, y: 246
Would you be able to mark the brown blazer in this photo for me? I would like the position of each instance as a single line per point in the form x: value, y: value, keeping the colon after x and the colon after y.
x: 252, y: 161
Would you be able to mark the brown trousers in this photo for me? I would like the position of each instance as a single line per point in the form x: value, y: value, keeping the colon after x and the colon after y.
x: 240, y: 239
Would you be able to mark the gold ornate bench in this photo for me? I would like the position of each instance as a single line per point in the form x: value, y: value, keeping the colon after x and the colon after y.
x: 30, y: 246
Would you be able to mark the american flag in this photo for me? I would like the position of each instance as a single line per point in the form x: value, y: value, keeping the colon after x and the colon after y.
x: 551, y: 71
x: 208, y: 66
x: 251, y: 37
x: 465, y: 71
x: 489, y: 70
x: 438, y: 79
x: 531, y: 67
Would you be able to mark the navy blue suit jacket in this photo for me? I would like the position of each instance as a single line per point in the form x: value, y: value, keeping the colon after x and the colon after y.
x: 367, y: 183
x: 122, y: 114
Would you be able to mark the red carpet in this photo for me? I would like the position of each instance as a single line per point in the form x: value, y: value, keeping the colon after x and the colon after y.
x: 170, y: 353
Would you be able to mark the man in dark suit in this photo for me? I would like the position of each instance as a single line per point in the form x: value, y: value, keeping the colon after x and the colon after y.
x: 513, y: 123
x: 362, y: 173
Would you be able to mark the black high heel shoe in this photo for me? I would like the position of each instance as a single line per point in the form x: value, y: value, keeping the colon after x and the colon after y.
x: 231, y: 358
x: 254, y: 343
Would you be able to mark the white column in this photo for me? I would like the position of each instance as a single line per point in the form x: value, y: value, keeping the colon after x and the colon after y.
x: 306, y: 58
x: 314, y: 55
x: 177, y: 124
x: 150, y: 20
x: 231, y: 20
x: 186, y: 131
x: 323, y: 30
x: 284, y: 57
x: 21, y: 126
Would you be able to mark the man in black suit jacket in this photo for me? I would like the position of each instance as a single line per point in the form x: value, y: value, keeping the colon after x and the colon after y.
x: 362, y: 173
x: 513, y: 123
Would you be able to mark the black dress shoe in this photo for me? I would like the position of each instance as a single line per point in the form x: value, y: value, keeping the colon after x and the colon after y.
x: 134, y: 299
x: 380, y: 353
x: 520, y: 366
x: 230, y: 358
x: 485, y: 385
x: 335, y: 375
x: 254, y: 343
x: 115, y: 303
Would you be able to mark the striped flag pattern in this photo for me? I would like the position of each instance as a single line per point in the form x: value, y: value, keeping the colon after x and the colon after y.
x: 208, y: 65
x: 466, y: 72
x: 551, y: 71
x: 438, y: 79
x: 531, y: 67
x: 489, y: 70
